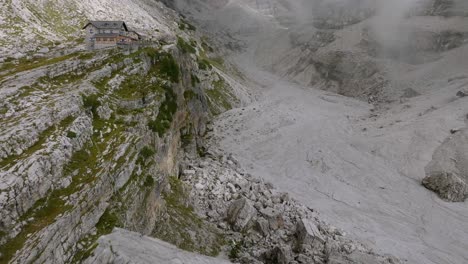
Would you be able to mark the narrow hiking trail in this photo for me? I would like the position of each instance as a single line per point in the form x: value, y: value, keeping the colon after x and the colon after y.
x: 360, y: 170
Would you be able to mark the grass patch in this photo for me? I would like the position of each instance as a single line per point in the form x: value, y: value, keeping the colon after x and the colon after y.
x: 71, y: 134
x: 60, y: 80
x: 147, y: 152
x: 185, y: 47
x: 167, y: 110
x: 107, y: 222
x: 101, y: 84
x: 194, y: 80
x: 204, y: 64
x: 218, y: 62
x: 169, y: 67
x: 220, y: 97
x: 137, y: 87
x: 91, y: 102
x: 189, y: 95
x: 183, y: 25
x: 149, y: 181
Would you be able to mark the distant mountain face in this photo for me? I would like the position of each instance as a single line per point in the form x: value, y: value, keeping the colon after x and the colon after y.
x: 350, y: 47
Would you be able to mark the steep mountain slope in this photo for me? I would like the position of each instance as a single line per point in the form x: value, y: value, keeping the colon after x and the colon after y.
x: 89, y: 139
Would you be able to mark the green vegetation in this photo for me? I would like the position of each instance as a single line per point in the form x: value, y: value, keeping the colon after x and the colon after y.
x: 204, y: 64
x: 218, y: 62
x: 60, y: 80
x: 71, y: 134
x: 149, y: 181
x: 147, y: 152
x: 86, y: 55
x: 189, y: 95
x: 105, y: 225
x: 102, y: 83
x: 169, y: 67
x: 91, y: 102
x: 184, y: 46
x: 44, y: 212
x: 186, y: 25
x: 166, y: 112
x: 235, y: 250
x: 186, y: 138
x: 27, y: 91
x: 107, y: 222
x: 220, y: 97
x: 207, y: 47
x: 3, y: 110
x: 137, y: 87
x: 194, y: 79
x: 87, y: 163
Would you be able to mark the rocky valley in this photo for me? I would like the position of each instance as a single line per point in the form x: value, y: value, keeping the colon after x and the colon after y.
x: 237, y: 131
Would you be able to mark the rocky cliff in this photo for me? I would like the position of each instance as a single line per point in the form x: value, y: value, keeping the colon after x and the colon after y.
x: 89, y: 139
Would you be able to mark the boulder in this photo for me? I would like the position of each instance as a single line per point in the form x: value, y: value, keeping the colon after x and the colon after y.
x: 279, y: 255
x: 43, y: 50
x: 447, y: 173
x: 262, y: 226
x: 307, y: 232
x: 18, y: 55
x: 447, y: 185
x: 189, y: 172
x: 275, y: 219
x: 462, y: 93
x: 240, y: 214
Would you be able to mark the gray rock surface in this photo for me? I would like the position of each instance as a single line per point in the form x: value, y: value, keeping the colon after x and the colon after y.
x: 307, y: 232
x: 126, y: 247
x: 240, y: 213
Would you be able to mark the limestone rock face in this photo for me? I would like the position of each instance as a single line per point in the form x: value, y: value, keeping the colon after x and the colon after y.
x: 240, y: 213
x: 83, y: 149
x: 125, y: 247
